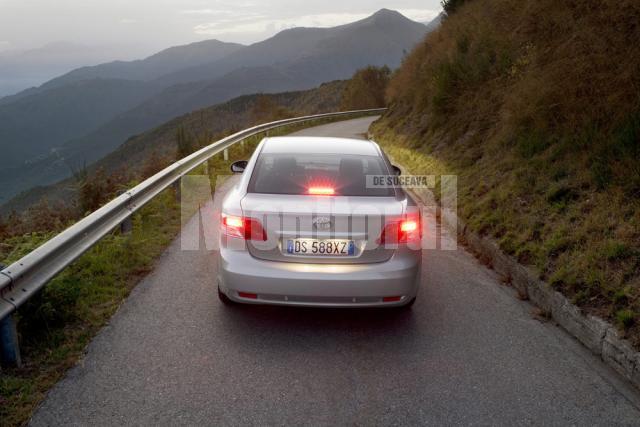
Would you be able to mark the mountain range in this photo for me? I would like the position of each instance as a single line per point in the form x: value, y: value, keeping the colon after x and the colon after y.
x: 23, y: 68
x: 139, y: 152
x: 83, y: 115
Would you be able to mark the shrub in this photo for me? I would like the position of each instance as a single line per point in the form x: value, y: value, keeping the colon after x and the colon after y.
x: 95, y: 187
x: 614, y: 250
x: 154, y: 164
x: 265, y: 110
x: 531, y: 143
x: 625, y: 318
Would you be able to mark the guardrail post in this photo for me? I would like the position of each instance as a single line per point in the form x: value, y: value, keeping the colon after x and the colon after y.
x: 225, y: 154
x: 126, y: 226
x: 176, y: 189
x: 9, y: 342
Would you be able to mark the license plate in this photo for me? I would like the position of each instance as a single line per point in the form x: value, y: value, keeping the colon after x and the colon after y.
x: 330, y: 247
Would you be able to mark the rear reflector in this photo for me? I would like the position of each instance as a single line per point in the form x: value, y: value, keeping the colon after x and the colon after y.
x: 247, y: 295
x: 391, y: 299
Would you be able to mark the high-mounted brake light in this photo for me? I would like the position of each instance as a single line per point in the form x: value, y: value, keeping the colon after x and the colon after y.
x: 322, y: 191
x: 404, y: 230
x: 243, y: 227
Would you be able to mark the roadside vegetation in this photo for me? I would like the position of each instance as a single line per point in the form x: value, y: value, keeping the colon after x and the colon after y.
x: 535, y: 105
x: 56, y: 326
x: 366, y: 89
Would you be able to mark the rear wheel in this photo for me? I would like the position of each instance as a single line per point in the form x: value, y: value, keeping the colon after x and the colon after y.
x: 223, y: 298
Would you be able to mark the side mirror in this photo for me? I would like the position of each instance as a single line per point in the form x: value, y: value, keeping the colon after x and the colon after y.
x: 239, y: 166
x: 396, y: 170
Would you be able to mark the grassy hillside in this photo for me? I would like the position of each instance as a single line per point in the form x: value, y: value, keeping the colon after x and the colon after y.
x: 535, y: 105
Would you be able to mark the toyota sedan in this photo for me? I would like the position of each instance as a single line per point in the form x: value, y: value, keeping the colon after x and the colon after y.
x: 313, y: 222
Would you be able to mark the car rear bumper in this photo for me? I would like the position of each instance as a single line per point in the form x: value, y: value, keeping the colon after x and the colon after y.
x: 324, y: 285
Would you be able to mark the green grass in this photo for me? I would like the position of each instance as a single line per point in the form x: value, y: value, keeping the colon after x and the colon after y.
x: 625, y: 318
x: 56, y: 325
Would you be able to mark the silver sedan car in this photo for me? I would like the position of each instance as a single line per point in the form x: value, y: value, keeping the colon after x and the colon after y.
x: 317, y: 221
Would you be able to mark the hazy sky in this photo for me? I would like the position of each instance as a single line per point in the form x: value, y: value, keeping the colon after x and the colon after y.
x: 148, y: 25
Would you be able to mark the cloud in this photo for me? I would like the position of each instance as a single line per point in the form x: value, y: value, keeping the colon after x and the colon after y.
x: 260, y: 23
x: 236, y: 23
x: 128, y: 21
x: 205, y: 12
x: 4, y: 45
x: 420, y: 15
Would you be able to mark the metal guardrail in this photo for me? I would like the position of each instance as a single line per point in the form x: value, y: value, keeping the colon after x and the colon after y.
x: 23, y: 278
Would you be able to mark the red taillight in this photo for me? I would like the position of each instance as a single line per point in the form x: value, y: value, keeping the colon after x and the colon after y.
x: 243, y: 227
x: 247, y: 295
x: 404, y: 230
x: 322, y: 191
x: 408, y: 226
x: 391, y: 299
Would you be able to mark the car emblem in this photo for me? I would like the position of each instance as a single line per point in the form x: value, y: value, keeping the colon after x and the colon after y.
x: 322, y: 223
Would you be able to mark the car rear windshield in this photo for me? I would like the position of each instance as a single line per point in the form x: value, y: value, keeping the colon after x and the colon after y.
x: 329, y: 174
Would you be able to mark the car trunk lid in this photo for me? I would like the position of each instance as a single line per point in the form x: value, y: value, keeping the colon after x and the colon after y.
x: 347, y: 227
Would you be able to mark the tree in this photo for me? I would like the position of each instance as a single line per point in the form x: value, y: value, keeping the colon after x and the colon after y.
x: 366, y: 89
x: 94, y: 187
x: 451, y: 6
x: 265, y: 109
x: 184, y: 142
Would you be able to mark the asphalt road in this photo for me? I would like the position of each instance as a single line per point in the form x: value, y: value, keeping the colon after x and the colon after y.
x: 468, y: 353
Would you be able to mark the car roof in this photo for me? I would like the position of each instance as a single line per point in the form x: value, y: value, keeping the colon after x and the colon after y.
x: 319, y: 145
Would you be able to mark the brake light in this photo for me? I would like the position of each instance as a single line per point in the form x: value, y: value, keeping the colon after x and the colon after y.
x: 407, y: 229
x: 243, y: 227
x: 234, y: 222
x: 322, y: 191
x: 408, y: 226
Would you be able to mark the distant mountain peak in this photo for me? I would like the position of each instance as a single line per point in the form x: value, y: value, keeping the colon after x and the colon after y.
x: 384, y: 12
x: 385, y: 18
x: 388, y: 14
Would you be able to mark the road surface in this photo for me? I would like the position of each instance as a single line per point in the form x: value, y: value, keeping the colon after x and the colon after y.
x: 467, y: 353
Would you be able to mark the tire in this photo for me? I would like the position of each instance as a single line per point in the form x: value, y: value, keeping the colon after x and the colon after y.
x: 224, y: 299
